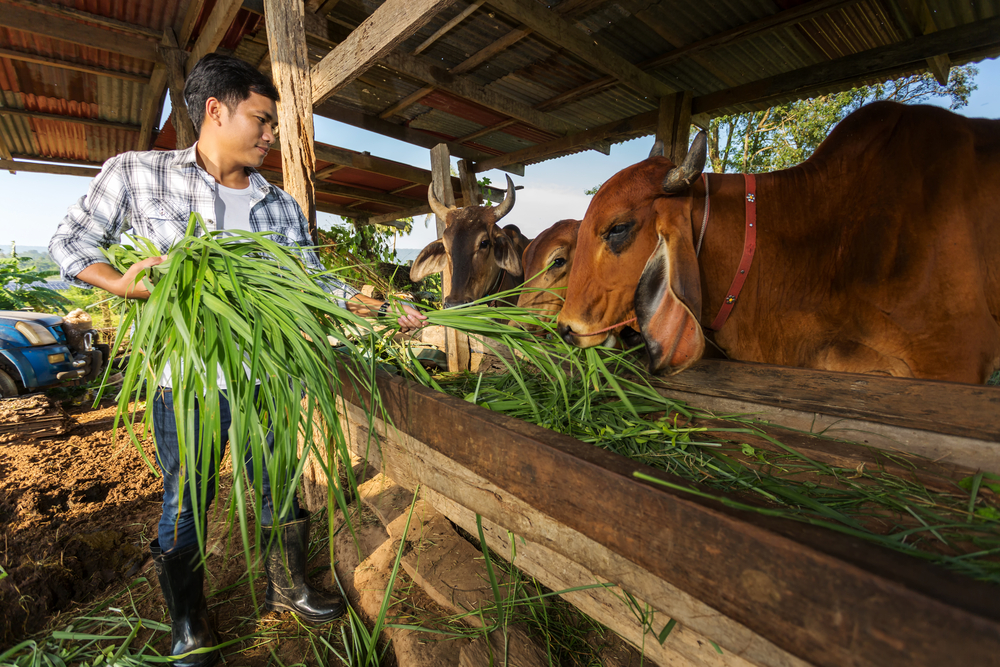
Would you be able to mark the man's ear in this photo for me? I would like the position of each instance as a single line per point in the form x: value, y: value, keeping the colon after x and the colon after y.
x: 432, y: 259
x: 214, y: 109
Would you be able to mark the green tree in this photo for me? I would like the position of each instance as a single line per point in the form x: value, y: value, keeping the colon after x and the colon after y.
x: 17, y: 273
x: 787, y: 134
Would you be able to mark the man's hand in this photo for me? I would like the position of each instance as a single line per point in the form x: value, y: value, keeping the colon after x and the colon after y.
x: 411, y: 318
x: 107, y: 278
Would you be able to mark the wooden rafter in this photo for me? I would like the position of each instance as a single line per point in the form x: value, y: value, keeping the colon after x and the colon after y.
x: 443, y: 30
x: 79, y: 15
x: 10, y: 54
x: 94, y: 122
x: 381, y: 32
x: 407, y: 101
x: 911, y: 54
x: 496, y: 127
x: 627, y: 127
x: 215, y: 29
x: 70, y: 30
x: 563, y: 34
x: 918, y: 18
x: 37, y: 168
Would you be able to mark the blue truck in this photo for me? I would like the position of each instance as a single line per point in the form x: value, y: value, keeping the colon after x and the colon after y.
x: 36, y: 353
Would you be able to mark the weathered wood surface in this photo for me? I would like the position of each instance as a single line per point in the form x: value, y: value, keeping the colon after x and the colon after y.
x: 378, y: 35
x: 562, y: 558
x: 824, y: 597
x: 952, y: 408
x: 37, y: 168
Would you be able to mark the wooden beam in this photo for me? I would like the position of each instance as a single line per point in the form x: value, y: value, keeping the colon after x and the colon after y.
x: 917, y: 17
x: 388, y: 25
x: 562, y: 33
x: 484, y: 54
x: 870, y: 64
x: 323, y: 173
x: 94, y: 122
x: 286, y: 39
x: 37, y: 168
x: 69, y: 30
x: 467, y: 88
x: 407, y: 101
x: 184, y: 27
x: 470, y: 188
x: 632, y: 126
x: 152, y: 106
x: 673, y: 127
x: 441, y: 173
x: 79, y: 15
x: 215, y: 28
x: 443, y: 30
x: 75, y: 67
x: 174, y: 59
x: 345, y: 191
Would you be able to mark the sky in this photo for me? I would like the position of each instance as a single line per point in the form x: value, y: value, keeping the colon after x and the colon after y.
x: 34, y: 204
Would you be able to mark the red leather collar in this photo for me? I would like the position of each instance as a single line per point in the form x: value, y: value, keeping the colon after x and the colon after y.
x: 749, y: 247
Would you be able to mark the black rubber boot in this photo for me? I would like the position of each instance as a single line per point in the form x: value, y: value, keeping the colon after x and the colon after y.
x: 182, y: 580
x: 287, y: 589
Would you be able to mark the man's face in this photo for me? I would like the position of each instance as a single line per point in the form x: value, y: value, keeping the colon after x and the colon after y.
x: 248, y: 131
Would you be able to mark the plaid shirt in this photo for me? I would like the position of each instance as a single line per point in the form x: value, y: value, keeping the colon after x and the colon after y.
x: 153, y: 193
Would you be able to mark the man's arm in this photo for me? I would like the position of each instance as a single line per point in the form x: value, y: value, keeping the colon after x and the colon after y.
x: 107, y: 278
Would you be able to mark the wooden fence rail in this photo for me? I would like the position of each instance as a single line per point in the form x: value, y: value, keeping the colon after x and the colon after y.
x: 767, y: 591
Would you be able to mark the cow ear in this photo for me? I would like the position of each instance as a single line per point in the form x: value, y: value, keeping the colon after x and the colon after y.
x: 507, y: 251
x: 432, y: 259
x: 668, y: 303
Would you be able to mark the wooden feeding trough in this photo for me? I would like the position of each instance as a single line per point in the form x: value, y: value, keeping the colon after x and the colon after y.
x: 743, y: 588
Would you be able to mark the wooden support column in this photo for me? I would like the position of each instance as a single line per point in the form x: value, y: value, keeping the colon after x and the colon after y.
x: 673, y: 127
x: 456, y: 343
x: 286, y: 39
x: 470, y: 187
x: 175, y: 60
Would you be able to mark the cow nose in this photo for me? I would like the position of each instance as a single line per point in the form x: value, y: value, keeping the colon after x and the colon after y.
x: 451, y: 303
x: 566, y: 333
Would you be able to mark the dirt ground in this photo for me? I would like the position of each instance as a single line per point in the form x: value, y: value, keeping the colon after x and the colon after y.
x: 77, y: 513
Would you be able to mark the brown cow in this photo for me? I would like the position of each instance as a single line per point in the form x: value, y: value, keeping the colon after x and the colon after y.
x: 482, y: 258
x: 547, y: 261
x: 879, y: 254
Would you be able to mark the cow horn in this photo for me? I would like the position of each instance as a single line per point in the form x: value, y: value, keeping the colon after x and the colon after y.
x: 503, y: 208
x: 680, y: 178
x: 439, y: 209
x: 657, y: 149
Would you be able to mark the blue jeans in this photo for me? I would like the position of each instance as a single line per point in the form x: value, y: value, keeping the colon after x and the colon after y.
x: 177, y: 523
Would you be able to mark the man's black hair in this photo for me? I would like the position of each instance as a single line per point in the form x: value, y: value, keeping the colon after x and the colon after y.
x: 227, y: 79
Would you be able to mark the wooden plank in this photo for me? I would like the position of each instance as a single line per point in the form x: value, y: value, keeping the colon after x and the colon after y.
x: 69, y: 30
x: 381, y: 32
x: 215, y: 28
x: 467, y: 88
x: 340, y: 190
x: 152, y: 107
x: 95, y: 122
x: 496, y: 127
x: 982, y: 34
x: 824, y: 597
x: 447, y: 27
x: 441, y: 174
x: 174, y: 60
x: 286, y: 39
x: 966, y: 410
x: 470, y: 188
x: 484, y: 54
x: 36, y: 168
x: 564, y: 34
x: 10, y: 54
x: 673, y: 127
x: 632, y: 126
x: 407, y: 101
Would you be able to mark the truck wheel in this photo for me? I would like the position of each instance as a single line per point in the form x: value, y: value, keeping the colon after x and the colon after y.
x: 8, y: 388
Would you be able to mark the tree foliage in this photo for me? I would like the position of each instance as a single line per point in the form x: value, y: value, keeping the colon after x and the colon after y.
x: 17, y: 274
x: 787, y: 134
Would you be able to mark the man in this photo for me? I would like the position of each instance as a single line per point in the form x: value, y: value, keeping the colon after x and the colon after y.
x: 233, y: 107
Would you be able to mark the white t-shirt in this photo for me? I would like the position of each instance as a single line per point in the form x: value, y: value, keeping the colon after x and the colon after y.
x: 232, y: 211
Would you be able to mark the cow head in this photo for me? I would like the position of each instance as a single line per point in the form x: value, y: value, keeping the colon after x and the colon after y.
x: 547, y: 261
x: 473, y: 248
x: 635, y: 256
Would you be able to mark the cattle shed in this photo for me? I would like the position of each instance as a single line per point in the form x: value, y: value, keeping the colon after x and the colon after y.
x: 504, y: 84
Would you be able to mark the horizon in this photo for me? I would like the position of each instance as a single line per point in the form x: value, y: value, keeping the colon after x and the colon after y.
x: 553, y: 190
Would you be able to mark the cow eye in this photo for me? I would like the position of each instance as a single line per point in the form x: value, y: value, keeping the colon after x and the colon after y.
x: 618, y: 229
x: 558, y: 261
x: 485, y: 243
x: 619, y: 237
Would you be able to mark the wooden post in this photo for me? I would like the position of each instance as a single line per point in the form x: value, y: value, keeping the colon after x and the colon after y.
x: 456, y: 343
x: 674, y: 125
x: 286, y: 39
x: 470, y: 187
x: 176, y: 59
